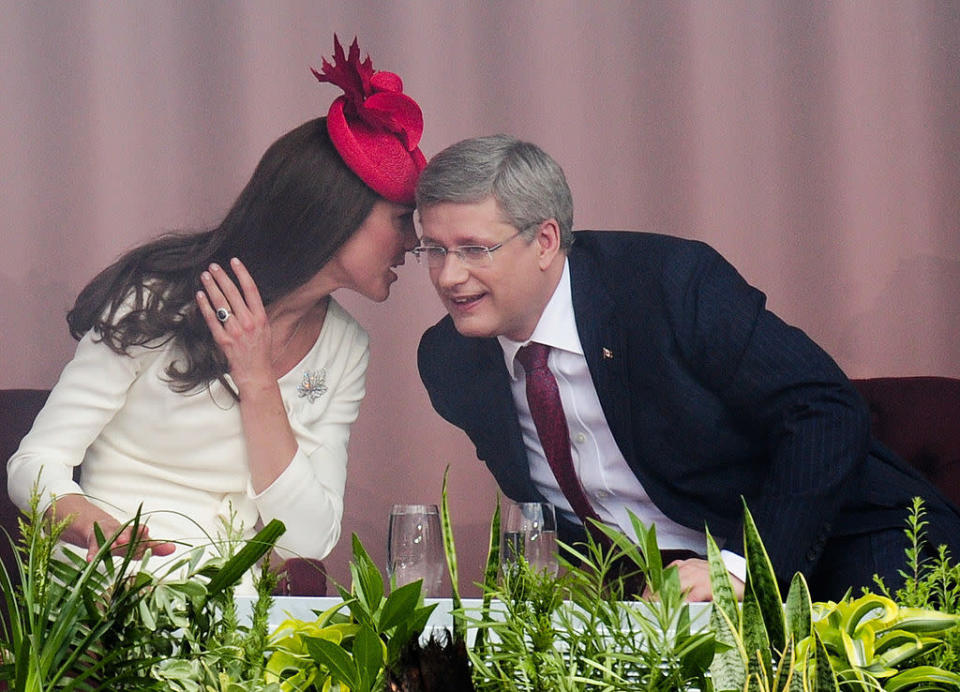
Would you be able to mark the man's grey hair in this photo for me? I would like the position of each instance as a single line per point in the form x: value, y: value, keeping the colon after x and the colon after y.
x: 528, y: 185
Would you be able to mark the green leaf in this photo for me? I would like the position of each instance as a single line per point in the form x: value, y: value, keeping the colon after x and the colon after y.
x: 729, y: 667
x: 490, y: 572
x: 786, y: 668
x: 450, y: 552
x: 723, y: 594
x: 760, y: 573
x: 897, y: 646
x: 798, y: 612
x: 870, y: 609
x: 400, y: 605
x: 368, y: 656
x: 335, y: 659
x: 367, y: 579
x: 859, y: 649
x: 922, y: 620
x: 246, y: 557
x: 754, y: 633
x: 922, y: 675
x: 647, y: 539
x: 825, y: 679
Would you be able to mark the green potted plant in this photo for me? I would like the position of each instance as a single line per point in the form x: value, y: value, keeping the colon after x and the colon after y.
x: 349, y: 650
x: 71, y: 624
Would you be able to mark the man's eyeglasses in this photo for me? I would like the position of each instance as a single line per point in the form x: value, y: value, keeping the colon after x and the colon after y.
x: 434, y: 256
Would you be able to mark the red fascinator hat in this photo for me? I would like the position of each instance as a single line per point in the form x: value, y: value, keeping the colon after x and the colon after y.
x: 375, y: 127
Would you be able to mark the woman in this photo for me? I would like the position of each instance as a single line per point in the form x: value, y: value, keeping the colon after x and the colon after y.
x: 216, y: 378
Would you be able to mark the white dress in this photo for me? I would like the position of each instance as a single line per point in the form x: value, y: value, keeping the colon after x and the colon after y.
x: 183, y: 456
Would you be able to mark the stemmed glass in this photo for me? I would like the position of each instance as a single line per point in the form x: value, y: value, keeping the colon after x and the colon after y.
x: 415, y: 547
x: 530, y: 531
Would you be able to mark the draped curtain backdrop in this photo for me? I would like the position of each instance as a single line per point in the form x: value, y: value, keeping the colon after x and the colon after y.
x: 815, y: 144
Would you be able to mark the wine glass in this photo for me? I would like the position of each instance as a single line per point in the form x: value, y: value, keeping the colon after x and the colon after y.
x: 415, y: 548
x: 530, y: 531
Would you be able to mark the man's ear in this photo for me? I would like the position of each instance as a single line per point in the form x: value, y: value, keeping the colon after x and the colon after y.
x: 548, y: 243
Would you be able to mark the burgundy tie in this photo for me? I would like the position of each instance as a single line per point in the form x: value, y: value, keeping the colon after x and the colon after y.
x: 547, y: 411
x: 543, y: 395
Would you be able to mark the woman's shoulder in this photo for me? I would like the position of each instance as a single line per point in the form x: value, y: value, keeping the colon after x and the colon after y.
x: 341, y: 343
x: 342, y: 324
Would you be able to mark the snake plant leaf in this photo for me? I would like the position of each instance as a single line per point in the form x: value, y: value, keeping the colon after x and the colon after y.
x: 798, y: 610
x: 823, y: 679
x: 489, y: 577
x: 796, y: 681
x: 922, y: 678
x: 450, y: 552
x: 723, y: 594
x: 729, y: 667
x: 764, y: 580
x: 783, y: 674
x: 753, y: 632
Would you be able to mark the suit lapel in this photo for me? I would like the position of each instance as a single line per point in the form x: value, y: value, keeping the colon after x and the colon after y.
x: 604, y: 346
x: 502, y: 426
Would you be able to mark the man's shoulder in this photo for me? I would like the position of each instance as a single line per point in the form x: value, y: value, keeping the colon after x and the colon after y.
x: 442, y: 347
x: 612, y: 253
x: 440, y: 335
x: 619, y: 244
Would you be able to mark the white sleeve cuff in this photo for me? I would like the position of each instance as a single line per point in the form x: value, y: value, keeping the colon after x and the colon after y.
x: 736, y: 564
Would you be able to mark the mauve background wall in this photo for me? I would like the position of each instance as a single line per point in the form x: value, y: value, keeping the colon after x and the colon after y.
x: 816, y: 144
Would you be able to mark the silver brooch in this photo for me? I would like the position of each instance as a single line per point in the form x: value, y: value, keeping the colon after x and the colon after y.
x: 313, y: 385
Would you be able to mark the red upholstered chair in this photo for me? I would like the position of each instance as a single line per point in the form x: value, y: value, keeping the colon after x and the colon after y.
x: 919, y: 419
x: 18, y: 408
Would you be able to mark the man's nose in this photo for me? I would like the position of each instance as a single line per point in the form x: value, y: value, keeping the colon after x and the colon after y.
x: 452, y: 271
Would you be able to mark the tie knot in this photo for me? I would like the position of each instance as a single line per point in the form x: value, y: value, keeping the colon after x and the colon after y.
x: 533, y: 356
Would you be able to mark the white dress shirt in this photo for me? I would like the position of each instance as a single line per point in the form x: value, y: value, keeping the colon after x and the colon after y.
x: 608, y: 482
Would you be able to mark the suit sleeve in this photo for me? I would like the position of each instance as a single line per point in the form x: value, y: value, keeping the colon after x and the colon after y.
x: 782, y: 385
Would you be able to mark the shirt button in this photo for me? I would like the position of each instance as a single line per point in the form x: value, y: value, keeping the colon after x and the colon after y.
x: 603, y: 494
x: 580, y: 438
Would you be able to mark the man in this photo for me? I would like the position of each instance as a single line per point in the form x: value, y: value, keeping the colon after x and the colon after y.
x: 679, y: 391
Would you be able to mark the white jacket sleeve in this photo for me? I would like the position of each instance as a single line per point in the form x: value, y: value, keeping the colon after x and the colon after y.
x: 308, y: 495
x: 91, y: 389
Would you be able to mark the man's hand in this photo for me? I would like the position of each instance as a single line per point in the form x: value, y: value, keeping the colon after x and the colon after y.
x: 695, y: 580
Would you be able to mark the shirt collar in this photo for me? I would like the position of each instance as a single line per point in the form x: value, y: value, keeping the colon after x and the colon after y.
x: 557, y: 327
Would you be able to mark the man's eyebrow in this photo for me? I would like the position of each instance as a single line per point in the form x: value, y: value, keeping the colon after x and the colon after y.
x: 471, y: 241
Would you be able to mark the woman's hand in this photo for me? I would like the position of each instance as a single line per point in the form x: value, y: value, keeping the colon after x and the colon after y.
x: 238, y: 322
x: 83, y: 515
x: 243, y: 333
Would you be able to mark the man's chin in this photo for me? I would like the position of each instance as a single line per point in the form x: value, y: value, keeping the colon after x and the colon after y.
x: 473, y: 328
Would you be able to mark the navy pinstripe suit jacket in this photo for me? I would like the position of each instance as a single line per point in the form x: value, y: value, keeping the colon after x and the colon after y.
x: 710, y: 397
